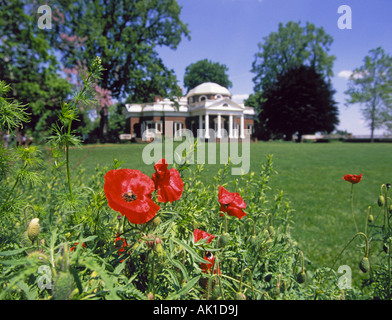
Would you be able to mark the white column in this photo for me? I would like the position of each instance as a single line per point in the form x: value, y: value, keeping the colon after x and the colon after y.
x: 207, y: 126
x: 231, y: 126
x: 219, y: 135
x: 200, y: 126
x: 242, y: 127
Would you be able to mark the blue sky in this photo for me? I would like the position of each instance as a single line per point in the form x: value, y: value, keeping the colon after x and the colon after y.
x: 228, y: 32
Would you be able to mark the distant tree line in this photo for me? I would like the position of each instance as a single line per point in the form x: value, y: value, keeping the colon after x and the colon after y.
x: 44, y: 66
x: 292, y: 69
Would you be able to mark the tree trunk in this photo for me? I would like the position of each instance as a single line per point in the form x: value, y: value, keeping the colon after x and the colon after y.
x: 299, y: 137
x: 373, y: 121
x: 288, y: 136
x: 103, y: 124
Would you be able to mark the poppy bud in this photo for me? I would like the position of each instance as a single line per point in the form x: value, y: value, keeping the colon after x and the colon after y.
x: 156, y: 221
x: 381, y: 201
x: 63, y: 286
x: 149, y: 240
x: 301, y: 276
x: 33, y: 229
x: 216, y: 292
x: 37, y: 257
x: 364, y: 265
x: 157, y: 241
x: 150, y: 296
x: 370, y: 218
x: 223, y: 240
x: 240, y: 296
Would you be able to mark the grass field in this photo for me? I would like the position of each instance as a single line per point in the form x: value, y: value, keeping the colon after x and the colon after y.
x: 310, y: 174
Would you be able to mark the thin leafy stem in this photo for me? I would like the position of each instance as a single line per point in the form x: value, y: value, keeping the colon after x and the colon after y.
x: 352, y: 207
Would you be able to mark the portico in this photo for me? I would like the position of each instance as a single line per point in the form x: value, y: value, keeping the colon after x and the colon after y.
x: 229, y: 125
x: 207, y: 110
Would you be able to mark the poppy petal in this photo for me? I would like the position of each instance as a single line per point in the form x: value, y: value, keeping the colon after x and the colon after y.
x: 353, y: 178
x: 168, y: 182
x: 234, y: 211
x: 225, y: 197
x: 238, y: 201
x: 123, y: 181
x: 200, y: 234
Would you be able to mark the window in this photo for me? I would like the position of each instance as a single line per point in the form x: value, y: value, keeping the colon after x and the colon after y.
x: 218, y: 96
x: 177, y: 129
x: 158, y: 126
x: 202, y: 98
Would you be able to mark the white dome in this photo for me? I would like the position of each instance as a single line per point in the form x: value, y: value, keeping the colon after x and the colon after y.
x: 208, y: 88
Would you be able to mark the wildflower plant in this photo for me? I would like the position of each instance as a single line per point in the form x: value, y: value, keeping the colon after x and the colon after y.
x: 124, y: 234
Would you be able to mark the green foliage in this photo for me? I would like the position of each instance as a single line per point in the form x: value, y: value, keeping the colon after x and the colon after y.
x: 28, y: 63
x: 83, y: 250
x: 370, y: 86
x: 300, y: 101
x: 63, y: 136
x: 78, y: 244
x: 206, y: 71
x: 12, y: 114
x: 125, y: 35
x: 292, y: 46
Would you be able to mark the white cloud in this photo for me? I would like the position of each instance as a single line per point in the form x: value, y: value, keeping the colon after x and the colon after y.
x: 239, y: 98
x: 345, y: 74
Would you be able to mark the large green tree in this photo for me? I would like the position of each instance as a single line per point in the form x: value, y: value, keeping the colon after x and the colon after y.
x: 370, y: 86
x: 125, y: 35
x: 300, y: 102
x: 206, y: 71
x: 28, y: 63
x: 292, y: 45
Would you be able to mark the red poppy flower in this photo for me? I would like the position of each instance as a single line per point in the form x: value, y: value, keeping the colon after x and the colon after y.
x: 121, y: 245
x: 207, y: 267
x: 76, y: 243
x: 200, y: 234
x: 168, y: 182
x: 353, y: 178
x: 231, y: 203
x: 129, y: 192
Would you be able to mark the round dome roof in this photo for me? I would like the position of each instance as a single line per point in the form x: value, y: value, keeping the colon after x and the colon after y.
x: 208, y: 88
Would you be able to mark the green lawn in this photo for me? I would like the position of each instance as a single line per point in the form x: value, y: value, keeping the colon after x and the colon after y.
x: 310, y: 174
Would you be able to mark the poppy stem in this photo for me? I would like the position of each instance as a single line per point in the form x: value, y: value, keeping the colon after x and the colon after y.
x: 352, y: 207
x: 348, y: 243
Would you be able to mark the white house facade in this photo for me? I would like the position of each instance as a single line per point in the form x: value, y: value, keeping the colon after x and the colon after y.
x: 206, y: 110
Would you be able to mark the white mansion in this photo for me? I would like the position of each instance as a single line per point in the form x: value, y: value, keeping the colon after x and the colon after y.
x: 205, y: 107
